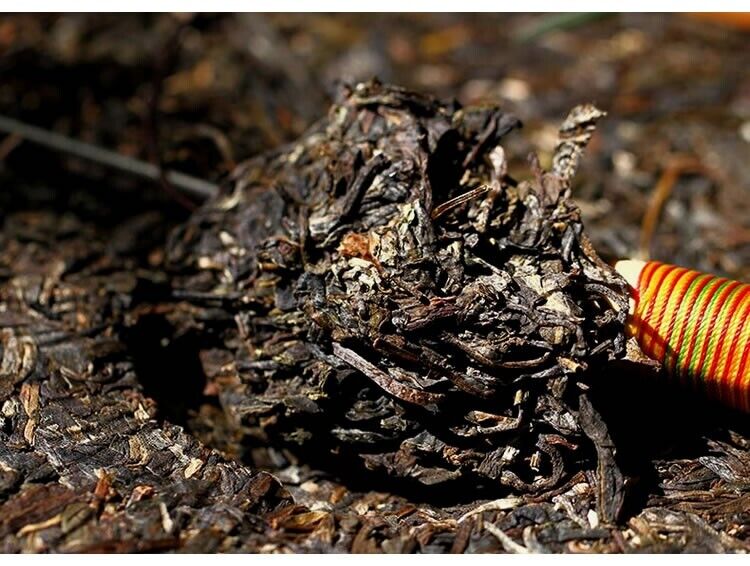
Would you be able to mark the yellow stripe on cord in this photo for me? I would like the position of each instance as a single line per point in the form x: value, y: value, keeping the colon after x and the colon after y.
x: 731, y: 360
x: 667, y: 310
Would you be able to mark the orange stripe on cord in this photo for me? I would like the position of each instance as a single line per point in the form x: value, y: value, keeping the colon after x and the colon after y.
x: 743, y: 376
x: 635, y: 323
x: 648, y: 297
x: 670, y: 298
x: 735, y: 356
x: 724, y: 327
x: 701, y: 306
x: 689, y: 305
x: 705, y: 336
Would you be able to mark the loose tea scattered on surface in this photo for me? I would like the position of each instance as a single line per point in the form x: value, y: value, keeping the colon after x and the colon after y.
x: 84, y: 465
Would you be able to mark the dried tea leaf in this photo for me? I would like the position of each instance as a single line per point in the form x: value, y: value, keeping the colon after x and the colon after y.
x: 388, y: 282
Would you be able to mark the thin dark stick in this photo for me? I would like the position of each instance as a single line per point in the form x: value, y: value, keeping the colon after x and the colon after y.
x: 52, y: 140
x: 166, y: 60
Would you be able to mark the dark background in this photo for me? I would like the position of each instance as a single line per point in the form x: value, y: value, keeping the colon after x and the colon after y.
x: 201, y: 92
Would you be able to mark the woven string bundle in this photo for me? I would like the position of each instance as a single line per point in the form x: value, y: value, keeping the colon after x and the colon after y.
x: 697, y: 325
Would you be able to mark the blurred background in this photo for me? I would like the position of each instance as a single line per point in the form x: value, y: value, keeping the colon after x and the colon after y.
x: 667, y: 177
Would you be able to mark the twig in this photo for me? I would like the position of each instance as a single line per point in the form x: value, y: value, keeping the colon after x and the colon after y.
x: 52, y: 140
x: 675, y: 168
x: 166, y: 59
x: 557, y: 22
x: 497, y: 505
x: 508, y: 543
x: 9, y: 144
x: 459, y: 200
x: 220, y: 140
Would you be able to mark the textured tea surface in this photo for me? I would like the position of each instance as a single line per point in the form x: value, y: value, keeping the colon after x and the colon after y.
x: 383, y: 288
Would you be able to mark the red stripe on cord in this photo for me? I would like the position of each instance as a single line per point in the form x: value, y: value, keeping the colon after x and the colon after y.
x: 740, y: 396
x: 719, y: 379
x: 687, y: 282
x: 646, y: 316
x: 685, y: 370
x: 732, y: 379
x: 643, y: 280
x: 719, y: 301
x: 661, y: 342
x: 681, y: 337
x: 743, y: 401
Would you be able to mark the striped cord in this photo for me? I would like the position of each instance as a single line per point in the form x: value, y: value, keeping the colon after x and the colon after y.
x: 696, y: 325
